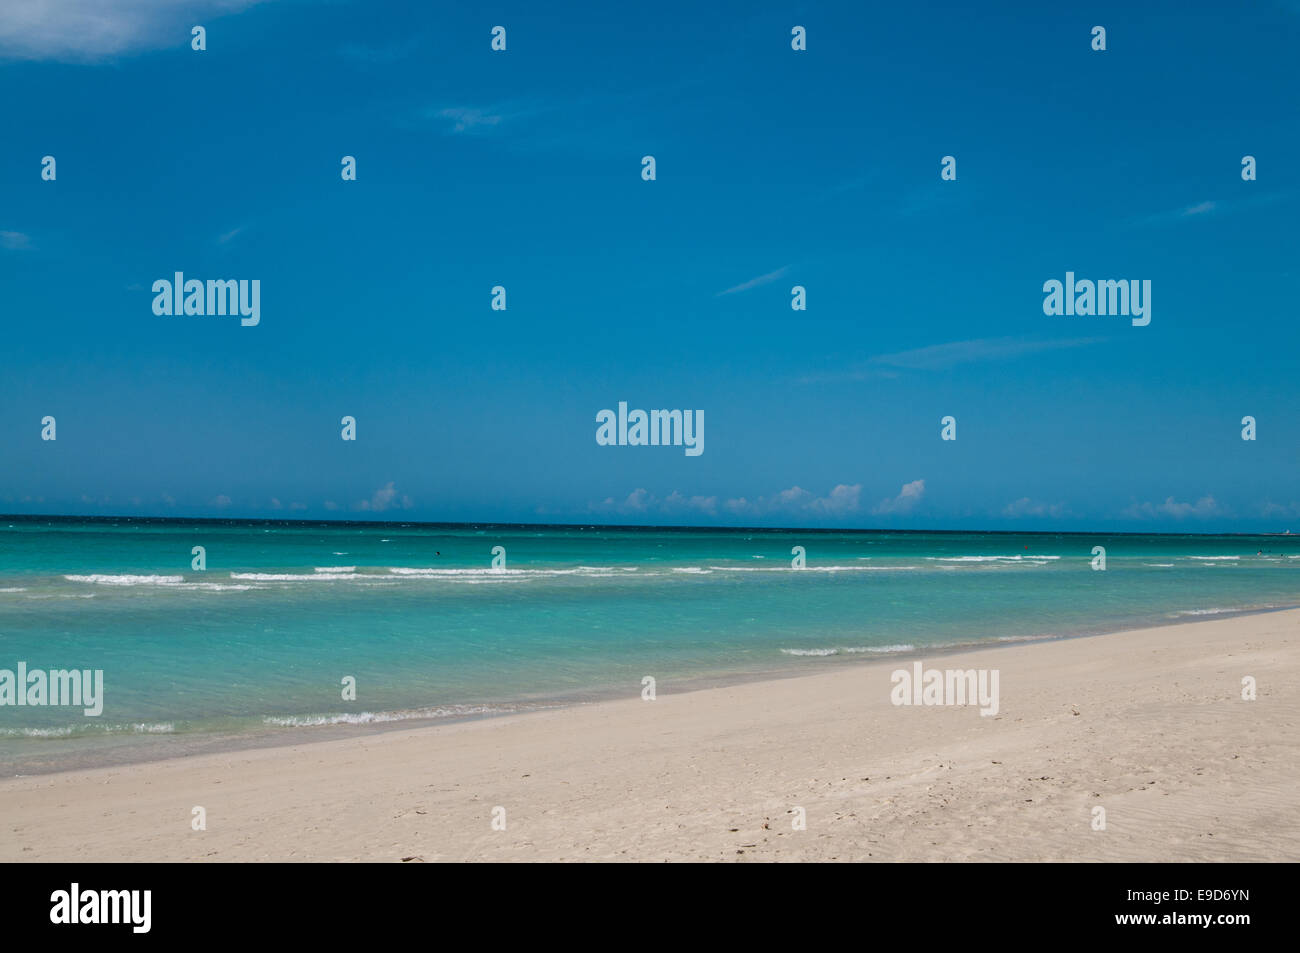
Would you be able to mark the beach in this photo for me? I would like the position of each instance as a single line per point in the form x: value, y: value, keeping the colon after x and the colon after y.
x: 1148, y: 724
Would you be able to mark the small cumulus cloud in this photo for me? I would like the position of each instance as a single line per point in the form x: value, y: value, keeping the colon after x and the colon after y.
x: 385, y: 498
x: 1203, y: 508
x: 221, y: 500
x: 841, y: 501
x: 641, y: 501
x: 1274, y: 510
x: 907, y: 498
x: 1025, y: 507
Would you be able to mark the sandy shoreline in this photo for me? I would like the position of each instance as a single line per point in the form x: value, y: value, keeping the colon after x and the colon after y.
x: 1148, y: 724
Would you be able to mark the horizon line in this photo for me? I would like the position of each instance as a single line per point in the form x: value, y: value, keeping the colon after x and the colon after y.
x: 36, y: 517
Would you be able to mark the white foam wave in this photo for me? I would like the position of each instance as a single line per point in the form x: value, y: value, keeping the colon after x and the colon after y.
x: 294, y: 576
x: 104, y: 579
x: 990, y: 559
x: 35, y: 732
x: 143, y: 728
x: 852, y: 650
x: 811, y: 568
x: 379, y: 717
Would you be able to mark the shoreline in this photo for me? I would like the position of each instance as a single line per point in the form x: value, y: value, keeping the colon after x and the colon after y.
x: 180, y: 745
x: 1146, y: 722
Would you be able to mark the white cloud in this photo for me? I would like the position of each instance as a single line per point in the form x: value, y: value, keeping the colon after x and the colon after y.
x: 1203, y: 508
x: 907, y: 498
x: 385, y: 498
x: 704, y: 504
x: 1280, y: 509
x: 470, y: 120
x: 940, y: 357
x: 1027, y: 507
x: 1213, y: 208
x: 91, y: 30
x: 221, y: 500
x: 15, y: 241
x: 842, y: 500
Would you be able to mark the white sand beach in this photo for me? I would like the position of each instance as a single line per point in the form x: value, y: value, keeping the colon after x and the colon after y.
x: 1148, y: 724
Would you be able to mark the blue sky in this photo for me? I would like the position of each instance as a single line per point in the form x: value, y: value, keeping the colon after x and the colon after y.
x: 775, y: 168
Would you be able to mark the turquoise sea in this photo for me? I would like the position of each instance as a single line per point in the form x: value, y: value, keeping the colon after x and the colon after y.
x: 253, y: 649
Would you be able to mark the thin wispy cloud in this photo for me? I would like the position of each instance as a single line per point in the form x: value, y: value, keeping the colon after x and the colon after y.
x: 93, y: 30
x: 463, y: 119
x: 15, y: 241
x: 228, y: 236
x: 766, y: 279
x: 1213, y: 208
x: 379, y: 55
x: 939, y: 357
x: 943, y: 356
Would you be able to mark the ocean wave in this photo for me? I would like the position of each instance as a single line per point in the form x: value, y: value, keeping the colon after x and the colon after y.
x: 294, y: 576
x: 1219, y: 611
x: 990, y: 559
x: 14, y: 589
x: 35, y: 732
x: 104, y: 579
x: 1214, y: 558
x: 143, y: 728
x: 485, y: 572
x: 852, y: 650
x: 138, y: 728
x: 1160, y: 565
x: 334, y: 569
x: 379, y: 717
x: 811, y: 568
